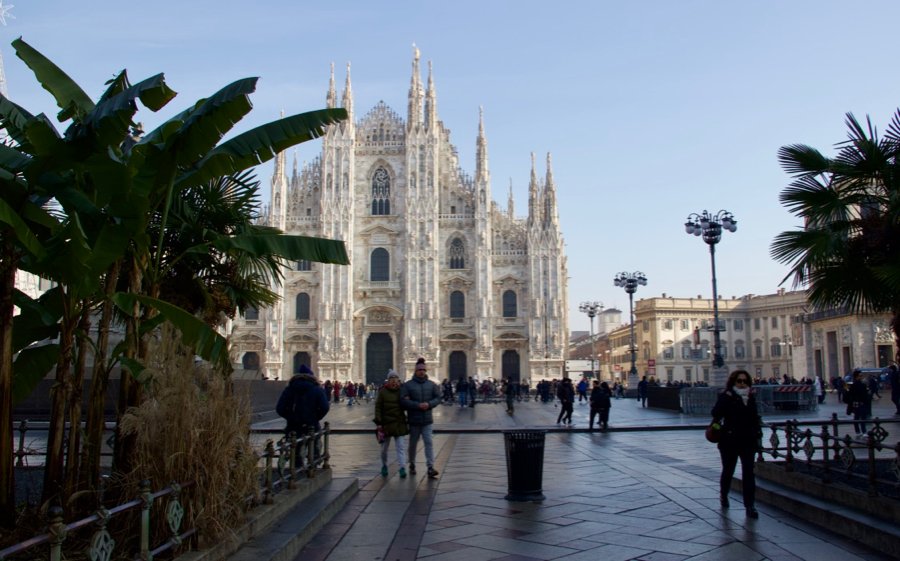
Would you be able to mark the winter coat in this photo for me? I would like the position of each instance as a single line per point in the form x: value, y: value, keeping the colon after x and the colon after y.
x: 741, y: 423
x: 416, y: 391
x: 565, y: 392
x: 302, y: 404
x: 600, y: 398
x: 389, y: 414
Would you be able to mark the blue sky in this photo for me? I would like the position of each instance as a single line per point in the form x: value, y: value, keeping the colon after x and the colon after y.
x: 652, y: 110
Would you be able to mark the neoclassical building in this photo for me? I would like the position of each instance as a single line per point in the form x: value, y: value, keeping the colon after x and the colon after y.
x: 438, y: 269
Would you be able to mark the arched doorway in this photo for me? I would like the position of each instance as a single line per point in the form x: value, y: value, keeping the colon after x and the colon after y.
x: 510, y: 366
x: 457, y: 366
x: 250, y: 361
x: 301, y: 359
x: 379, y: 357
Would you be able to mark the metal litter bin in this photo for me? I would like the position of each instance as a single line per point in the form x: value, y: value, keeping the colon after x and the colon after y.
x: 524, y: 464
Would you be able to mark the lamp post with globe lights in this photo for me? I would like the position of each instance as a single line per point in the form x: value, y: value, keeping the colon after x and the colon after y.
x: 710, y: 227
x: 630, y: 282
x: 591, y: 309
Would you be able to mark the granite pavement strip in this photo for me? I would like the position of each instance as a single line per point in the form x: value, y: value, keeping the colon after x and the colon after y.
x: 645, y: 490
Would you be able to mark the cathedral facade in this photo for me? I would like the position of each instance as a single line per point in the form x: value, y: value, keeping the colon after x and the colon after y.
x: 437, y: 269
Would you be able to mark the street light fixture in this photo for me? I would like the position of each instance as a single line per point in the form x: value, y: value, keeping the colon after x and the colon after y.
x: 710, y: 226
x: 630, y: 282
x: 591, y: 309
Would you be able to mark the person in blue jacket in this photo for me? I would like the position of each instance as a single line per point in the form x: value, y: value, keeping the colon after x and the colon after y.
x: 419, y: 396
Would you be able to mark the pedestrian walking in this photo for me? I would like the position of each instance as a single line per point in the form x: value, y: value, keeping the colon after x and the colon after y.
x: 565, y: 392
x: 390, y: 420
x: 509, y: 389
x: 893, y: 376
x: 642, y: 391
x: 600, y: 404
x: 418, y: 397
x: 462, y: 390
x: 741, y: 431
x: 859, y: 403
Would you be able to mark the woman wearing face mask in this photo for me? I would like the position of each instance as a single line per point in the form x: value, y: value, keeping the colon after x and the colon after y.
x: 741, y: 433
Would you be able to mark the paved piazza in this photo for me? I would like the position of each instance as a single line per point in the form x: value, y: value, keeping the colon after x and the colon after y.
x: 645, y: 490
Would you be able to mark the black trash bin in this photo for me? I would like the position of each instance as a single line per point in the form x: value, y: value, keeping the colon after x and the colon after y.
x: 524, y: 464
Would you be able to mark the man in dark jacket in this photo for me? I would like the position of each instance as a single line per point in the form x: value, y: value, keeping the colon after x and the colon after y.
x: 566, y: 394
x: 419, y: 396
x: 303, y: 404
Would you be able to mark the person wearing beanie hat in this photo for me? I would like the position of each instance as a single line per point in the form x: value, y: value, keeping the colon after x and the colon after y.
x: 303, y: 404
x: 419, y: 396
x: 390, y: 420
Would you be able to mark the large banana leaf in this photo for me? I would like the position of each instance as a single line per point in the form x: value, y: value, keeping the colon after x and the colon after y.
x: 292, y: 248
x: 112, y: 118
x: 12, y: 160
x: 37, y: 319
x: 69, y: 96
x: 19, y: 229
x: 205, y: 341
x: 260, y: 144
x: 13, y: 119
x: 210, y: 119
x: 30, y: 367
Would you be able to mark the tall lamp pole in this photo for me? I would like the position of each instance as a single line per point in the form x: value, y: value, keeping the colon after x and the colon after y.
x: 591, y: 309
x: 630, y: 282
x: 710, y: 226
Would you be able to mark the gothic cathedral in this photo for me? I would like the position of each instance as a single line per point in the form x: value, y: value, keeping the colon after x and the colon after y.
x: 437, y: 269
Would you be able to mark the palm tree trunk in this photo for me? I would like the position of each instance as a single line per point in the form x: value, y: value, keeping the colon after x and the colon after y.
x: 73, y: 448
x: 7, y: 476
x: 123, y: 454
x: 96, y: 417
x: 54, y: 467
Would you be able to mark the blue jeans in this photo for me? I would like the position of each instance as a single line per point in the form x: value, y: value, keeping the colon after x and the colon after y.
x: 415, y: 431
x: 463, y: 399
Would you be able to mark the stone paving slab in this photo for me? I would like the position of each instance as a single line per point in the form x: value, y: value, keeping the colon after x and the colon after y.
x: 612, y: 496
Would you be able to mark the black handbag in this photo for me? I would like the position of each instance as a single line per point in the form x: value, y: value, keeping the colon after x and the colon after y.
x: 714, y: 432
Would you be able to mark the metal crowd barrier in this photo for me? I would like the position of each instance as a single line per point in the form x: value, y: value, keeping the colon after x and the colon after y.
x: 789, y: 397
x: 833, y: 454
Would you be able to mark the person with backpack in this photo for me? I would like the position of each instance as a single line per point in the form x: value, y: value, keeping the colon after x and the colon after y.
x: 303, y: 404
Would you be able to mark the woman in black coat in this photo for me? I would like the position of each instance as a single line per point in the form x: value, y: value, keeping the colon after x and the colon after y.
x: 741, y: 432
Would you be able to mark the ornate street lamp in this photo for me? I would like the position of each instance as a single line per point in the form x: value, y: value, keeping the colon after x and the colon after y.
x: 710, y: 226
x: 630, y: 282
x: 591, y: 309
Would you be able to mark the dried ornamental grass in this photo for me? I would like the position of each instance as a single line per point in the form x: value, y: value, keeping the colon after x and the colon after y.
x: 191, y: 427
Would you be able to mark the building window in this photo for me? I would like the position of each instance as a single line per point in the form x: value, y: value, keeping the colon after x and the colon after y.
x: 304, y: 265
x: 774, y: 321
x: 685, y: 325
x: 667, y: 324
x: 456, y: 256
x: 668, y: 352
x: 688, y: 371
x: 380, y: 265
x: 723, y: 348
x: 739, y: 351
x: 381, y: 192
x: 738, y: 325
x: 686, y: 350
x: 457, y: 304
x: 302, y: 311
x: 756, y: 324
x: 775, y: 347
x: 646, y: 325
x: 509, y: 304
x: 251, y: 314
x: 646, y: 350
x: 670, y: 374
x: 757, y: 350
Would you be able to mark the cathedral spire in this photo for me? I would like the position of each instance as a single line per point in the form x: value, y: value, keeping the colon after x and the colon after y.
x: 431, y: 102
x: 294, y: 174
x: 510, y: 205
x: 347, y: 100
x: 331, y: 98
x: 534, y: 195
x: 550, y: 211
x: 482, y: 174
x: 414, y: 109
